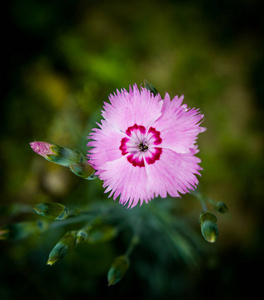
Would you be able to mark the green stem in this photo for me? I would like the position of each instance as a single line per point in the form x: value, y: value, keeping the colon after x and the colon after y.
x: 201, y: 198
x: 133, y: 242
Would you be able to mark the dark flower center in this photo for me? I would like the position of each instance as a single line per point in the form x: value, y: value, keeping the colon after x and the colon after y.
x: 143, y: 147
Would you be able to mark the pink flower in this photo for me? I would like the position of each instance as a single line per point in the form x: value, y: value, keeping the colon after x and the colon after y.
x: 42, y: 148
x: 145, y: 146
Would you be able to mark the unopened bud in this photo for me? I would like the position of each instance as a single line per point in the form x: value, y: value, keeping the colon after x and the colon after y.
x: 22, y: 230
x: 83, y: 170
x: 54, y: 211
x: 101, y: 233
x: 150, y: 87
x: 63, y: 247
x: 83, y: 234
x: 117, y: 269
x: 57, y: 154
x: 221, y: 207
x: 208, y: 226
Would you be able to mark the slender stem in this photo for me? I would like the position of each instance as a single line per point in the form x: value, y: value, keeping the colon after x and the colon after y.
x: 133, y: 242
x: 211, y: 201
x: 78, y: 219
x: 201, y: 198
x: 203, y: 204
x: 135, y: 238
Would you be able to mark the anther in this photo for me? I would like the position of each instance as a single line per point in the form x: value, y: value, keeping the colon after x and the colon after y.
x: 143, y: 147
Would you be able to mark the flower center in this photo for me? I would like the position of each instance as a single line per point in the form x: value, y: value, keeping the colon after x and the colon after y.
x: 140, y: 145
x: 143, y: 147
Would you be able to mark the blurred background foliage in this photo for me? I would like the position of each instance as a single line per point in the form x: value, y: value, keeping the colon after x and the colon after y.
x: 61, y: 61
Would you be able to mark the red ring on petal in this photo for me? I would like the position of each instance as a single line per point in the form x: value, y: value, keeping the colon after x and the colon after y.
x: 141, y: 128
x: 123, y: 147
x: 156, y: 156
x: 156, y: 135
x: 134, y: 159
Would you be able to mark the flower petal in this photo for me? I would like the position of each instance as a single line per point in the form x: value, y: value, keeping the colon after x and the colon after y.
x: 173, y: 173
x: 134, y: 107
x: 105, y: 145
x: 179, y: 126
x: 123, y: 179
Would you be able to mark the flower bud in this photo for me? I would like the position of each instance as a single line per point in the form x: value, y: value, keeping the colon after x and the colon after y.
x: 208, y: 226
x: 57, y: 154
x: 117, y: 269
x: 101, y: 233
x: 150, y: 87
x: 83, y: 170
x: 54, y: 211
x: 83, y: 234
x: 221, y: 207
x: 22, y: 230
x: 63, y: 247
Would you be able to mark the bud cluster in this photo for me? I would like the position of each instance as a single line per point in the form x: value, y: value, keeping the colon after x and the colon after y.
x: 65, y: 157
x: 207, y: 219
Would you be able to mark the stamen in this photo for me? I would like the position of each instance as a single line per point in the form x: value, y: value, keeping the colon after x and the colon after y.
x: 143, y: 147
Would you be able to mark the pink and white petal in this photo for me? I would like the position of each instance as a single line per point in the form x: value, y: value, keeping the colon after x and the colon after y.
x: 105, y: 145
x: 179, y: 126
x: 134, y: 107
x: 173, y: 173
x: 124, y: 180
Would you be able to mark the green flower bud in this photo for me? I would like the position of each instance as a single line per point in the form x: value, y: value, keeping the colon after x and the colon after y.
x: 64, y: 156
x: 83, y: 170
x: 117, y: 269
x: 94, y: 226
x: 101, y: 233
x: 22, y: 230
x: 63, y: 247
x: 55, y: 211
x: 83, y: 234
x: 57, y: 154
x: 208, y: 226
x: 221, y: 207
x: 150, y: 87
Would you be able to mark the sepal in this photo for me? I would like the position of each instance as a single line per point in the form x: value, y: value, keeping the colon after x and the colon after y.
x: 117, y: 269
x: 22, y: 230
x: 84, y: 170
x: 57, y: 154
x: 221, y: 207
x: 208, y: 226
x: 62, y: 248
x: 50, y: 210
x: 150, y: 87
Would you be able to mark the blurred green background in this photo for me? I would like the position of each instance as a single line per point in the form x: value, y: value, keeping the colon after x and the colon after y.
x: 61, y: 61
